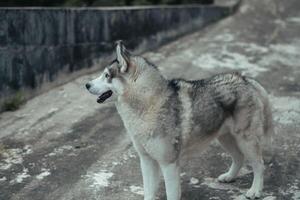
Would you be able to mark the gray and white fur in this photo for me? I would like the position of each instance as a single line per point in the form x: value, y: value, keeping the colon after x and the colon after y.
x: 167, y: 118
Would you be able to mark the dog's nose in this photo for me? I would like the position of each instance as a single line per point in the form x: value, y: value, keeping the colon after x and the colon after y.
x: 87, y: 86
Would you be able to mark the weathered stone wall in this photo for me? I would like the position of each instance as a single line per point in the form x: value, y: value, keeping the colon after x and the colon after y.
x: 42, y: 47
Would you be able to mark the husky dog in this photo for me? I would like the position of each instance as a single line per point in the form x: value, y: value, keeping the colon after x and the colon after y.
x: 164, y: 118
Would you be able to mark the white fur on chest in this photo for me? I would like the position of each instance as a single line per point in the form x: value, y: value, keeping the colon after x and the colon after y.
x: 137, y: 124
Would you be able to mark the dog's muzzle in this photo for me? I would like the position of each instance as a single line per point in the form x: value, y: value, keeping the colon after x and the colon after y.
x: 104, y: 96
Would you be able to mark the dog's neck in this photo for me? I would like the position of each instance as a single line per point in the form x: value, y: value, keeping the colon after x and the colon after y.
x: 144, y: 94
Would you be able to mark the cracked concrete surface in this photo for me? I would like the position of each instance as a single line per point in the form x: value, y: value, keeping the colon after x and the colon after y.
x: 62, y: 145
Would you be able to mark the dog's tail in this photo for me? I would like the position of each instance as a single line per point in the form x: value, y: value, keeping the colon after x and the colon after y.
x: 267, y: 113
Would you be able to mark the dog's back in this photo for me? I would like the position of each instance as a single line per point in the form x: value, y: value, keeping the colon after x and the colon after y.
x: 209, y: 102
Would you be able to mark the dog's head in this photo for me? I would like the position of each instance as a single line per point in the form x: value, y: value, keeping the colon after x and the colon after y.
x: 115, y: 77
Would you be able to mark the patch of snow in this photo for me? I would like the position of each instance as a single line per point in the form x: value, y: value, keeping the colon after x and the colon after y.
x: 182, y: 174
x: 100, y: 179
x: 292, y: 79
x: 27, y: 150
x: 132, y: 155
x: 224, y: 155
x: 290, y: 49
x: 194, y: 181
x: 294, y: 19
x: 296, y: 195
x: 280, y: 22
x: 285, y: 54
x: 294, y: 190
x: 214, y: 198
x: 227, y: 59
x: 239, y: 197
x: 251, y: 47
x: 128, y: 155
x: 137, y: 190
x: 115, y: 163
x: 187, y: 54
x: 225, y: 37
x: 245, y: 8
x: 58, y: 151
x: 52, y: 111
x: 2, y: 179
x: 44, y: 173
x: 270, y: 198
x: 20, y: 177
x: 13, y: 156
x: 286, y: 109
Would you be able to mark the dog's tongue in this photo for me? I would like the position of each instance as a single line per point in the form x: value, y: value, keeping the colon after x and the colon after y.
x: 104, y: 96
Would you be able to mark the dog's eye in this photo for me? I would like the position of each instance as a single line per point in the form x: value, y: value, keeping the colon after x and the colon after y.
x: 106, y: 75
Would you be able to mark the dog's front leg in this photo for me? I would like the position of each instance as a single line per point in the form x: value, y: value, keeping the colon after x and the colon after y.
x: 171, y: 173
x: 150, y: 172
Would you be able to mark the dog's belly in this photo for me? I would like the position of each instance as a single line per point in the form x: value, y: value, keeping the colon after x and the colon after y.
x: 200, y: 138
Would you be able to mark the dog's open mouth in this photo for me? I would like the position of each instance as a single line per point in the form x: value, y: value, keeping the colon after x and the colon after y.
x: 104, y: 96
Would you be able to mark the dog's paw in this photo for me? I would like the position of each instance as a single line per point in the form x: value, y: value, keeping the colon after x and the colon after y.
x: 253, y: 194
x: 225, y: 178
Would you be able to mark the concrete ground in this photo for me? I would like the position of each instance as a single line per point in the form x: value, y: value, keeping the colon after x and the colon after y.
x: 62, y: 145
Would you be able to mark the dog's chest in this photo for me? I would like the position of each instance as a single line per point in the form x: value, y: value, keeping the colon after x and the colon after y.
x: 138, y: 125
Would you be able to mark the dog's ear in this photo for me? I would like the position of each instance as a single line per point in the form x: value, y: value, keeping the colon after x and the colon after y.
x: 123, y: 56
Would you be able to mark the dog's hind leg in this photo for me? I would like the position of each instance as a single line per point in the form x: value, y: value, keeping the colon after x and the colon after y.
x: 250, y: 141
x: 253, y: 153
x: 229, y: 144
x: 151, y: 179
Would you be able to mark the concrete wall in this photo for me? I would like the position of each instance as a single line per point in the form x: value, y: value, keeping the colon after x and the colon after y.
x: 44, y: 47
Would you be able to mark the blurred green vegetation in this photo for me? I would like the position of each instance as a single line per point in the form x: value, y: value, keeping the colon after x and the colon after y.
x: 10, y: 3
x: 14, y: 102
